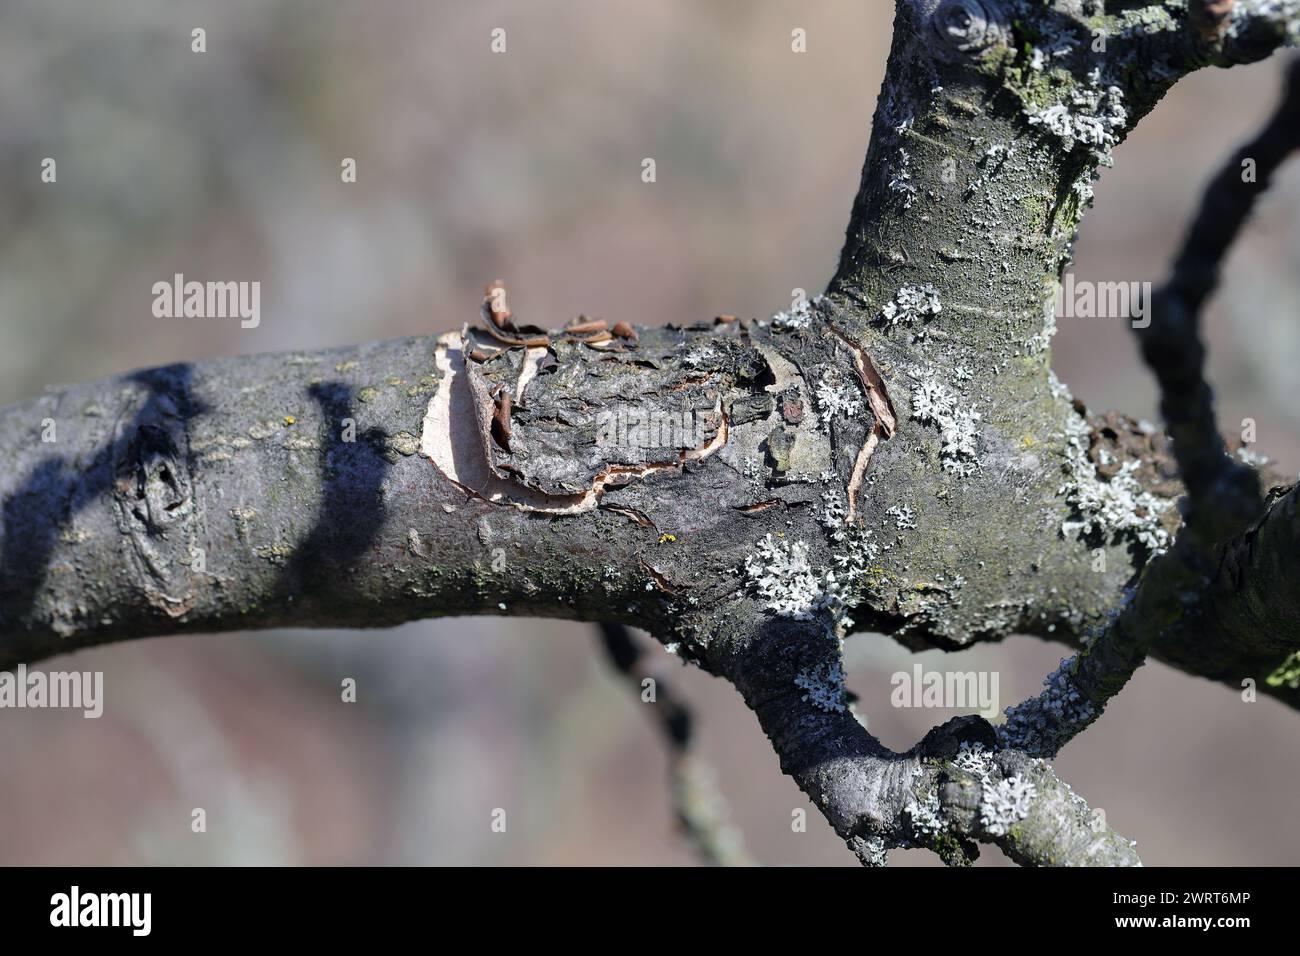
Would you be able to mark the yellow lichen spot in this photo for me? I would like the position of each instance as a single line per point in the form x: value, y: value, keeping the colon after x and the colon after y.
x: 1028, y: 441
x: 290, y: 420
x: 667, y: 538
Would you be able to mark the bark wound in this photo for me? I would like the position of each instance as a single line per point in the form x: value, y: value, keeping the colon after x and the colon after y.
x: 155, y: 504
x: 570, y: 425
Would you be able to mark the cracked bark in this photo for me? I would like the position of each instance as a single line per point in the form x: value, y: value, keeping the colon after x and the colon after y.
x: 903, y: 437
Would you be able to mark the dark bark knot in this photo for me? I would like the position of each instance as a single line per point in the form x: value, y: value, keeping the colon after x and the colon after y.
x: 153, y: 490
x: 969, y: 27
x: 152, y: 480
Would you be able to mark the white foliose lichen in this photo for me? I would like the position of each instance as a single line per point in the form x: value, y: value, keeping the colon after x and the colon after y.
x: 700, y: 356
x: 912, y: 304
x: 852, y: 561
x: 1244, y: 16
x: 926, y: 815
x: 1252, y: 458
x: 799, y: 317
x: 832, y: 513
x: 1005, y: 803
x: 1115, y: 508
x: 900, y: 180
x: 823, y: 686
x: 975, y: 760
x: 936, y: 404
x: 1042, y: 725
x: 903, y: 515
x: 874, y: 852
x: 1040, y: 58
x: 781, y: 574
x: 836, y: 398
x: 1094, y: 117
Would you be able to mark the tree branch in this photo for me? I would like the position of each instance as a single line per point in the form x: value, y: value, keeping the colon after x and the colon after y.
x: 698, y: 805
x: 1223, y: 494
x: 1223, y: 497
x: 955, y: 789
x: 1230, y: 32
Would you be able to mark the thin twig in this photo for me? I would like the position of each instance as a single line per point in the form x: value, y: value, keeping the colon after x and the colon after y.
x: 1223, y: 494
x: 699, y: 807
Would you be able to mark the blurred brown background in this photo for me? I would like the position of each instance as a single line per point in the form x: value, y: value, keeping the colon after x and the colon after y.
x: 526, y: 165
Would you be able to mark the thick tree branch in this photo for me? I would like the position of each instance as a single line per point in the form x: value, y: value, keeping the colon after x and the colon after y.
x: 273, y: 490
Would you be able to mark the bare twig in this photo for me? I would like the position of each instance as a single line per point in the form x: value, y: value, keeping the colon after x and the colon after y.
x: 1223, y: 495
x: 699, y: 807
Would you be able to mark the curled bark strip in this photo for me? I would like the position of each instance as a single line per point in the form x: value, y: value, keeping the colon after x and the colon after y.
x: 882, y: 409
x: 501, y: 420
x: 585, y: 327
x: 519, y: 341
x: 494, y: 305
x: 868, y: 449
x: 499, y: 323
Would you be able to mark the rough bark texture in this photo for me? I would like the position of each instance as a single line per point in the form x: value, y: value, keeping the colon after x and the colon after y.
x: 894, y: 456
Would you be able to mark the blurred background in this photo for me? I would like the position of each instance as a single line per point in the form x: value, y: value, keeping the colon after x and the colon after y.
x: 526, y: 165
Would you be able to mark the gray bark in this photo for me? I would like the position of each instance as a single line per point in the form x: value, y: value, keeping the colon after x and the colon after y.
x: 896, y: 457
